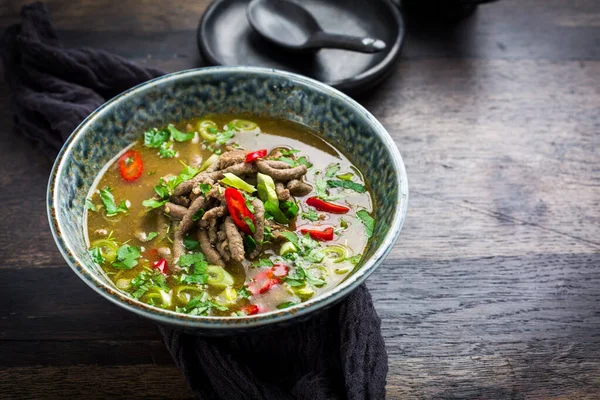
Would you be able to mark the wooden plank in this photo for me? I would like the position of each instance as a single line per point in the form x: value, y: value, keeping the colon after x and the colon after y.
x: 94, y: 382
x: 564, y: 30
x: 44, y: 352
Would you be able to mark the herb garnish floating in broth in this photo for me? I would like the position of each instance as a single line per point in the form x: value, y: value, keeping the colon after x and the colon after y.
x: 228, y: 217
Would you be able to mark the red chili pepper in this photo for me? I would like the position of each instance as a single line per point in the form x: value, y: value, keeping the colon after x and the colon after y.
x: 250, y: 309
x: 161, y: 266
x: 131, y: 165
x: 265, y: 280
x: 323, y: 205
x: 322, y: 235
x: 255, y: 155
x: 236, y: 204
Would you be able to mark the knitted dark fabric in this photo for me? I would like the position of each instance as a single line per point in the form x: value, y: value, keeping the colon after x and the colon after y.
x: 338, y: 354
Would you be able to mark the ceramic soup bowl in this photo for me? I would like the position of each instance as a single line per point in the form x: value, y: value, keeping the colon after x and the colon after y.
x: 236, y: 90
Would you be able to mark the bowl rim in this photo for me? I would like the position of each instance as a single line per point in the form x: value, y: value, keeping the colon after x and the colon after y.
x: 216, y: 323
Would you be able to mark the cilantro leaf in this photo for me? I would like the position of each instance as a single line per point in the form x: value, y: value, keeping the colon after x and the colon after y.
x: 179, y: 136
x: 96, y: 255
x: 145, y: 280
x: 322, y: 192
x: 109, y: 203
x: 198, y: 215
x: 152, y: 203
x: 151, y: 236
x: 166, y: 150
x: 162, y: 191
x: 332, y: 169
x: 188, y: 173
x: 367, y: 220
x: 199, y: 272
x: 357, y: 187
x: 198, y: 306
x: 264, y: 262
x: 190, y: 243
x: 249, y: 244
x: 199, y: 275
x: 354, y: 260
x: 304, y: 161
x: 291, y: 237
x: 315, y: 256
x: 314, y: 280
x: 244, y: 292
x: 289, y: 208
x: 205, y: 188
x: 311, y: 215
x: 250, y: 224
x: 224, y: 137
x: 288, y: 161
x: 127, y: 257
x: 286, y: 304
x: 288, y: 152
x: 187, y: 260
x: 154, y: 138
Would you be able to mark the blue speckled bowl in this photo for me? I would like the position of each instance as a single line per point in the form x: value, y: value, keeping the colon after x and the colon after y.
x: 183, y: 95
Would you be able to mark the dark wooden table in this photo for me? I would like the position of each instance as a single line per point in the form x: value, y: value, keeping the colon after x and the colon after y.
x: 492, y: 292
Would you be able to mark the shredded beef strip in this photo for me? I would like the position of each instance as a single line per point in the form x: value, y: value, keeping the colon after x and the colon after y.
x: 282, y: 193
x: 298, y: 188
x: 211, y: 254
x: 212, y: 231
x: 231, y: 158
x: 284, y: 175
x: 178, y: 246
x: 242, y: 169
x: 175, y: 211
x: 187, y: 222
x: 259, y: 224
x: 234, y: 237
x: 214, y: 213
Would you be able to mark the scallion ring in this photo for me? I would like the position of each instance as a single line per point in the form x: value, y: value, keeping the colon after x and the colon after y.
x: 108, y: 248
x: 208, y: 130
x: 184, y: 293
x: 242, y: 125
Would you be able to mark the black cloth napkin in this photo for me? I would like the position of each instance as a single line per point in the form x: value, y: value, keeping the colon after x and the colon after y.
x: 337, y: 354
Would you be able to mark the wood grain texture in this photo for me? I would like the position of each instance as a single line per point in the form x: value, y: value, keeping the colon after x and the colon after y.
x: 492, y: 289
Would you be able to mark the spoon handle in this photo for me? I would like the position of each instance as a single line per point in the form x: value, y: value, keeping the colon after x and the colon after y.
x: 346, y: 42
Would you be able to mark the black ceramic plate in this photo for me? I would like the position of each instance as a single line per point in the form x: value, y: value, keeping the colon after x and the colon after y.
x: 226, y: 38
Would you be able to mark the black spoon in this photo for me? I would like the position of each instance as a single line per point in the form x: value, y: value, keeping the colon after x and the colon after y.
x: 290, y: 25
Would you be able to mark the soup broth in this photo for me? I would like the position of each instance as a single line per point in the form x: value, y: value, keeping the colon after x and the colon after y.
x: 228, y: 217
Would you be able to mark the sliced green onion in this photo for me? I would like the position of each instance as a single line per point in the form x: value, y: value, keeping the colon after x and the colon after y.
x: 304, y: 293
x: 227, y: 297
x: 159, y: 297
x: 123, y: 283
x: 184, y: 293
x: 337, y: 253
x: 345, y: 177
x: 108, y: 248
x: 209, y: 161
x: 341, y: 271
x: 208, y: 130
x: 218, y: 277
x: 242, y: 125
x: 238, y: 183
x: 266, y: 189
x: 288, y: 247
